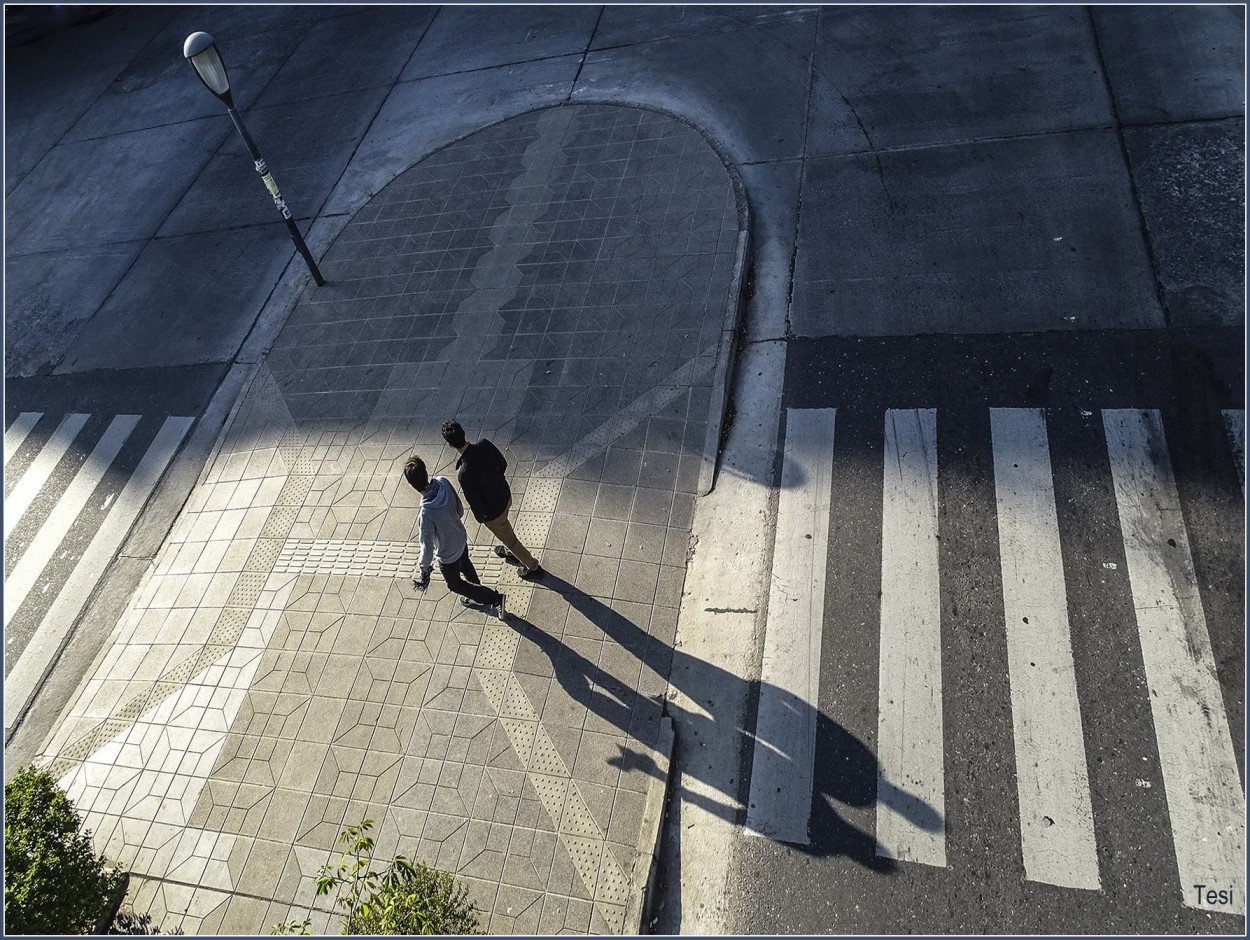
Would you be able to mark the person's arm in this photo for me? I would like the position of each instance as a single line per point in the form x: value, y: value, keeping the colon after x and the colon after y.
x: 497, y: 455
x: 426, y: 563
x: 465, y: 479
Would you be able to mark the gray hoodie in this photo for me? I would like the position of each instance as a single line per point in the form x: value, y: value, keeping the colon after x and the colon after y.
x: 440, y: 524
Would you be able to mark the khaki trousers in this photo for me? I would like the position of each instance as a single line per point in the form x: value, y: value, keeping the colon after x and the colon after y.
x: 501, y: 528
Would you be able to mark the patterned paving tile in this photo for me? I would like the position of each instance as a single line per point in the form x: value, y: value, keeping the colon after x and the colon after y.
x: 279, y: 678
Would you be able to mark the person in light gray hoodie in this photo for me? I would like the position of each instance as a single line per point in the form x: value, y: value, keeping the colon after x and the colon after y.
x: 444, y: 535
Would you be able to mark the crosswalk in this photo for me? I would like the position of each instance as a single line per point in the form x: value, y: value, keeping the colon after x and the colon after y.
x: 1059, y: 835
x: 74, y: 487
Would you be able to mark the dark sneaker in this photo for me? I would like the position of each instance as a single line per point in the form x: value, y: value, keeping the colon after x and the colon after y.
x: 535, y: 575
x: 466, y: 602
x: 501, y: 552
x: 499, y: 610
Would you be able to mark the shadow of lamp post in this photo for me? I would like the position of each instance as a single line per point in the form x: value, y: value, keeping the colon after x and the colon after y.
x: 202, y: 53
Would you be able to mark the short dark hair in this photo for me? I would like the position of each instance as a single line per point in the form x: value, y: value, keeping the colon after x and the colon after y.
x: 453, y: 433
x: 416, y: 474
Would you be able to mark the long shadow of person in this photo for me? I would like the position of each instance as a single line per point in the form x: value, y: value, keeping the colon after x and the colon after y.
x: 850, y: 776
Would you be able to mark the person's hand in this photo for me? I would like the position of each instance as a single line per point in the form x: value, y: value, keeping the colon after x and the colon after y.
x: 422, y: 582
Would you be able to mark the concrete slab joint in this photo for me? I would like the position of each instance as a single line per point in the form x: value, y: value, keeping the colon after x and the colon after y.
x: 567, y: 283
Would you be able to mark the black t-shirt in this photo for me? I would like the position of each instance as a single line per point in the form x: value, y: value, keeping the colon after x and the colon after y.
x: 480, y: 472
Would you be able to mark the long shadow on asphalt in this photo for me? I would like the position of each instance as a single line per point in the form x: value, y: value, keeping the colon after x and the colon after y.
x: 851, y: 779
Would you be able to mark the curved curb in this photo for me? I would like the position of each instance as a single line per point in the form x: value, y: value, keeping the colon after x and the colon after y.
x: 639, y: 909
x: 726, y: 356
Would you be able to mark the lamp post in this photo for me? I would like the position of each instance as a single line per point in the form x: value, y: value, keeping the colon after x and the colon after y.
x: 202, y: 53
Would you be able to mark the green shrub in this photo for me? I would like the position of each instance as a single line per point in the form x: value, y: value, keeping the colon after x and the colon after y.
x: 54, y: 883
x: 128, y: 923
x: 406, y: 898
x: 428, y: 901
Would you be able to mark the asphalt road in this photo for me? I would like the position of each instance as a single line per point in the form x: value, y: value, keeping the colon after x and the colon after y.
x: 839, y: 883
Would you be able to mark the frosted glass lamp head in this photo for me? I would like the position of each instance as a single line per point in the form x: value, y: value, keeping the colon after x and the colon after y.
x: 202, y: 53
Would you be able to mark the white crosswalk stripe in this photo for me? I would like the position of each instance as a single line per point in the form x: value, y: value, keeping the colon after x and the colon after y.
x: 1057, y: 825
x: 18, y: 431
x: 20, y: 583
x: 909, y: 731
x: 37, y: 474
x: 785, y: 731
x: 1205, y: 802
x: 1200, y: 775
x: 66, y: 519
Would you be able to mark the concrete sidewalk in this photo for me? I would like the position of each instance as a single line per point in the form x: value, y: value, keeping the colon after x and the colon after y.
x: 565, y: 283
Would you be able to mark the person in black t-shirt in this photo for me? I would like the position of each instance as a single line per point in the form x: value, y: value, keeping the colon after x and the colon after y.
x: 480, y: 471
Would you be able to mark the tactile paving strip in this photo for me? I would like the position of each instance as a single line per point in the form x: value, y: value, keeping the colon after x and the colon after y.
x: 493, y: 682
x: 521, y: 736
x: 263, y: 555
x: 552, y: 791
x: 532, y: 527
x: 576, y: 819
x: 267, y: 409
x: 489, y: 566
x: 294, y: 491
x: 247, y: 589
x: 614, y: 914
x: 516, y: 703
x: 370, y: 559
x: 292, y: 438
x: 495, y: 655
x: 585, y: 854
x: 613, y: 886
x: 541, y: 494
x: 278, y: 524
x: 294, y: 454
x: 227, y: 630
x: 348, y: 557
x: 545, y: 759
x: 229, y: 626
x: 304, y: 465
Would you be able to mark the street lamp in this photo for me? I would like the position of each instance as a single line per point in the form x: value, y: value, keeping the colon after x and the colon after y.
x: 202, y: 52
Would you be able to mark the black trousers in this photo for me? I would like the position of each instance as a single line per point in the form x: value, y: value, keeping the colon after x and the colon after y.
x: 462, y: 578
